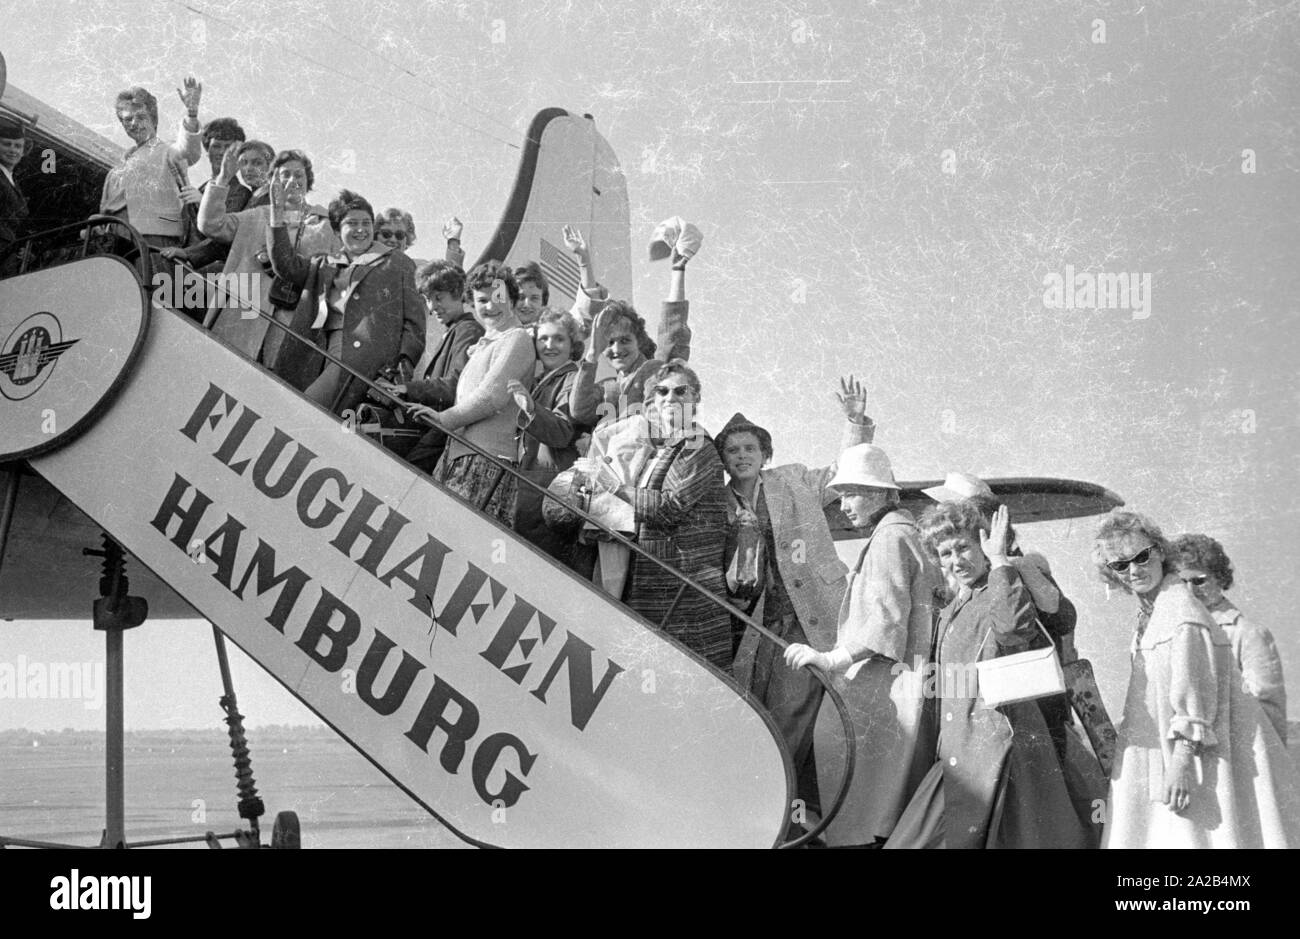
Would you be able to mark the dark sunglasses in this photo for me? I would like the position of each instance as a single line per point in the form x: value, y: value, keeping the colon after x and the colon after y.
x: 395, y: 235
x: 1139, y: 559
x: 1198, y: 581
x: 680, y: 391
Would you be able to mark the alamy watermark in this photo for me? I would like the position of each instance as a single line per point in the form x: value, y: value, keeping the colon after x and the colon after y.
x: 1086, y: 290
x: 71, y: 681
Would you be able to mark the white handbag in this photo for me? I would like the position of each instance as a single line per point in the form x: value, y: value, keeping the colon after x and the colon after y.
x: 1024, y: 676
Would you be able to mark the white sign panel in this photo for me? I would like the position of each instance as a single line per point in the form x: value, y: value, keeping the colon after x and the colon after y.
x: 516, y: 702
x: 67, y: 334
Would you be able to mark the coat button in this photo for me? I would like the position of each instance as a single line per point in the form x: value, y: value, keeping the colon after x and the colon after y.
x: 952, y: 761
x: 812, y: 621
x: 798, y: 584
x: 356, y: 344
x: 948, y: 716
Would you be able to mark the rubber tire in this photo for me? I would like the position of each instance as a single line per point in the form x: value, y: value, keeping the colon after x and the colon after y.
x: 286, y: 833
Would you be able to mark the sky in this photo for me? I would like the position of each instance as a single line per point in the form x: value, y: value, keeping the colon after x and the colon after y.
x: 885, y: 189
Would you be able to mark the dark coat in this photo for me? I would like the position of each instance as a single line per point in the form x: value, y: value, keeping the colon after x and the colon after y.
x: 383, y: 316
x: 681, y: 518
x: 546, y: 448
x: 437, y: 387
x: 1003, y: 785
x: 13, y: 211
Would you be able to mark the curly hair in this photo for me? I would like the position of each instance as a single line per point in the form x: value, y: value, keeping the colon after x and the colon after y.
x: 398, y: 217
x: 139, y: 97
x: 482, y: 277
x: 951, y: 520
x: 440, y: 276
x: 1118, y: 523
x: 289, y: 156
x: 345, y: 202
x: 576, y: 333
x: 622, y: 310
x: 1204, y: 553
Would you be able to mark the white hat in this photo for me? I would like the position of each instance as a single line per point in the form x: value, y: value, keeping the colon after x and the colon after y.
x: 959, y: 486
x: 864, y: 465
x: 675, y: 233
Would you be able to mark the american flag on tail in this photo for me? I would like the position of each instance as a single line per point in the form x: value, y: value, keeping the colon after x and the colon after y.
x: 560, y: 269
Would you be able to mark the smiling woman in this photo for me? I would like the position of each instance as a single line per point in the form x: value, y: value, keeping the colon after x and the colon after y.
x: 998, y: 782
x: 361, y: 308
x: 1198, y: 766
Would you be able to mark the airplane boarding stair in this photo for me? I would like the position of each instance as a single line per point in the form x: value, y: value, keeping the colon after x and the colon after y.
x: 512, y: 699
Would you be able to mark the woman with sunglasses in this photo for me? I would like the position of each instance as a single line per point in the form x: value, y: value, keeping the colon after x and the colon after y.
x: 1203, y: 566
x: 1197, y: 765
x: 396, y: 229
x: 680, y: 511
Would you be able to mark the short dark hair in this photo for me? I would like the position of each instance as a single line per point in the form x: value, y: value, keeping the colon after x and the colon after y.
x: 139, y: 97
x: 621, y: 309
x: 1204, y: 553
x: 481, y: 278
x: 263, y: 146
x: 222, y: 128
x: 345, y: 202
x: 440, y: 276
x: 289, y: 156
x: 531, y: 273
x: 760, y: 434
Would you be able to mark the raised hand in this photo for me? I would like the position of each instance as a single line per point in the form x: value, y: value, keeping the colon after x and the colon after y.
x: 278, y: 188
x: 599, y: 335
x: 229, y: 166
x: 994, y: 544
x: 452, y: 228
x: 574, y: 241
x: 191, y: 95
x: 853, y: 399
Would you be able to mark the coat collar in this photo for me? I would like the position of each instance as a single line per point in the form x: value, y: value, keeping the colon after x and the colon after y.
x: 1175, y: 606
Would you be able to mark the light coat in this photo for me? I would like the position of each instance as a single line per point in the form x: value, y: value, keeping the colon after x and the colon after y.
x: 1185, y: 682
x: 249, y: 232
x: 886, y: 622
x: 147, y: 179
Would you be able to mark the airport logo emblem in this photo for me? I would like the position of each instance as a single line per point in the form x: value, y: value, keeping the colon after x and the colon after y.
x: 29, y: 354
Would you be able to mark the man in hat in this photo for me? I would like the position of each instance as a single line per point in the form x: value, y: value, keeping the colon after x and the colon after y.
x: 883, y: 642
x: 796, y: 574
x: 13, y: 205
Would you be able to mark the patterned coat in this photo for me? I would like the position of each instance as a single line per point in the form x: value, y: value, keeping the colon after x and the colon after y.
x: 1003, y: 785
x: 1185, y: 682
x: 681, y: 518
